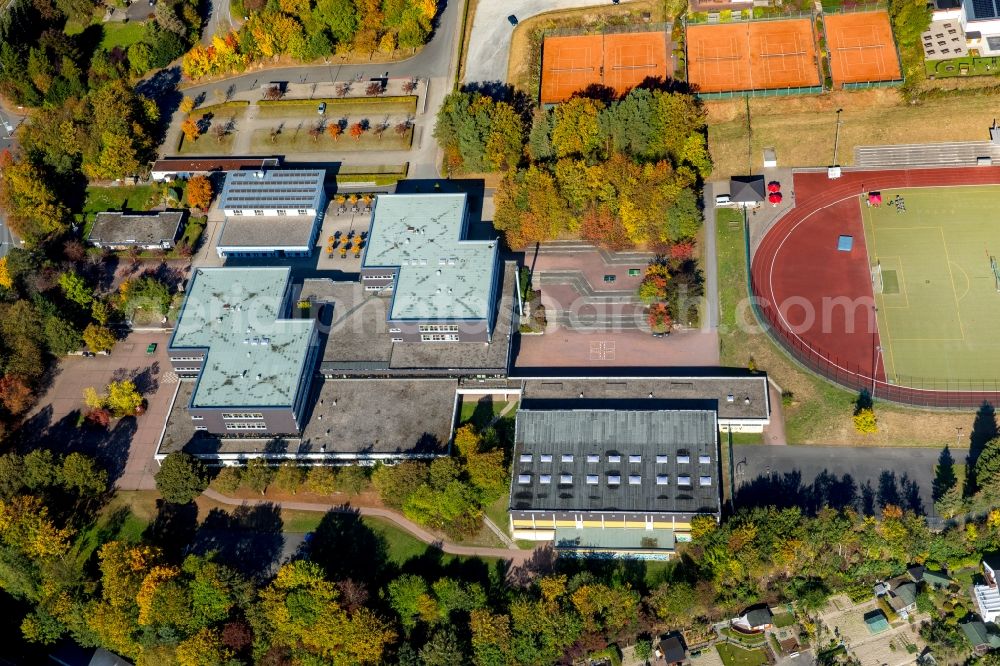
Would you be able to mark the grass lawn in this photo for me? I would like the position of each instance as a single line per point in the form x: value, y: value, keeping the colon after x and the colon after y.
x: 782, y: 620
x: 953, y: 67
x: 125, y: 517
x: 801, y: 128
x: 497, y: 512
x: 336, y: 108
x: 733, y: 655
x: 480, y: 412
x: 751, y: 640
x: 100, y: 199
x: 934, y: 259
x: 122, y: 34
x: 299, y: 141
x: 820, y: 412
x: 743, y: 438
x: 206, y: 144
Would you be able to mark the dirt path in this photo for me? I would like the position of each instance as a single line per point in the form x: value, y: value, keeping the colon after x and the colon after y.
x: 517, y: 557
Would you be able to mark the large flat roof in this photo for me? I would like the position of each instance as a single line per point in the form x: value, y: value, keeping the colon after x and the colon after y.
x: 613, y: 459
x: 288, y: 189
x: 441, y: 276
x: 139, y: 228
x: 266, y: 231
x: 738, y: 396
x: 255, y: 357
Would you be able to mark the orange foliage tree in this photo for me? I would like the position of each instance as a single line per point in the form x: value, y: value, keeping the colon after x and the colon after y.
x: 199, y: 192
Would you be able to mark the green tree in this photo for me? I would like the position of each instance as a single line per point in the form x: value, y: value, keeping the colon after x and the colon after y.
x: 181, y: 478
x: 396, y: 483
x: 76, y: 289
x: 81, y: 475
x: 340, y: 16
x: 41, y: 469
x: 321, y: 480
x: 352, y: 479
x: 987, y: 469
x: 576, y: 131
x: 257, y: 475
x: 289, y: 477
x: 409, y: 597
x: 505, y: 142
x: 228, y: 480
x: 443, y: 649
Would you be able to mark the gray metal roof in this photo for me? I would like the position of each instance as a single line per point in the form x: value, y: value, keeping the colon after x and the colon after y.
x: 616, y: 460
x: 136, y: 228
x: 283, y: 231
x: 746, y: 189
x: 288, y: 189
x: 256, y: 358
x: 440, y: 274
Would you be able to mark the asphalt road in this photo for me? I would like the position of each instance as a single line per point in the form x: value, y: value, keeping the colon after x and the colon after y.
x: 711, y: 261
x: 813, y: 476
x: 5, y: 239
x: 489, y: 45
x: 220, y: 20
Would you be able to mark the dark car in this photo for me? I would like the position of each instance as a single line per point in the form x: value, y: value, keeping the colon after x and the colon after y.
x: 89, y: 354
x: 512, y: 19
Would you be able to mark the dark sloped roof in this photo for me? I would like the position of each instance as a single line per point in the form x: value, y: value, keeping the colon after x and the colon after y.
x: 906, y: 592
x: 672, y: 649
x: 746, y: 189
x: 758, y: 616
x: 976, y: 632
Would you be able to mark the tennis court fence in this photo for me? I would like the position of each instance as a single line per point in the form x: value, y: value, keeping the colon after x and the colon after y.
x: 574, y: 31
x: 768, y: 92
x: 864, y: 85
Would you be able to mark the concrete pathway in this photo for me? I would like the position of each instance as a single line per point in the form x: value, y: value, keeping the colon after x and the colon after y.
x: 774, y: 433
x: 711, y: 264
x: 517, y: 557
x: 500, y: 533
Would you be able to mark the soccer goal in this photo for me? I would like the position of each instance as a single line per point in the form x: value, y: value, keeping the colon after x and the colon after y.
x: 877, y: 277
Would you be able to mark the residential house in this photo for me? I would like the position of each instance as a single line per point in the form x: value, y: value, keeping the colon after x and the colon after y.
x: 986, y: 595
x: 443, y: 286
x: 981, y: 636
x: 902, y: 598
x: 755, y: 618
x: 670, y: 651
x: 116, y: 230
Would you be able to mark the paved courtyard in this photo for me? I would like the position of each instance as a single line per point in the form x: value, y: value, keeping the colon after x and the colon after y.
x: 127, y: 448
x: 562, y: 348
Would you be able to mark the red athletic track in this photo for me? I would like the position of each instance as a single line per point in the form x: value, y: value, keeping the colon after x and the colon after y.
x: 797, y: 269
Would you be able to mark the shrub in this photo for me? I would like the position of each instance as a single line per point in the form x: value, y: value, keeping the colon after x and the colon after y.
x: 865, y: 422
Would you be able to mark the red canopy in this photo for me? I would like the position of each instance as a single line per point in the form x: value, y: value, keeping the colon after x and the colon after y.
x: 774, y: 186
x: 875, y: 197
x: 774, y: 197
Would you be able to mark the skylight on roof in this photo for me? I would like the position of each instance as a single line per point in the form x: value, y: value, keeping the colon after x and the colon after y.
x: 705, y: 460
x: 566, y: 457
x: 614, y: 479
x: 614, y: 458
x: 704, y: 480
x: 634, y: 479
x: 593, y: 458
x: 525, y: 457
x: 565, y: 478
x: 545, y: 457
x: 684, y: 480
x: 683, y: 459
x: 635, y: 458
x: 662, y: 479
x: 545, y: 478
x: 524, y: 479
x: 662, y: 459
x: 593, y: 479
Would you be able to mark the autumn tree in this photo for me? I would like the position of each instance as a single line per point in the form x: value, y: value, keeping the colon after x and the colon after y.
x: 321, y: 480
x: 76, y: 289
x: 658, y: 318
x: 99, y: 338
x: 315, y: 132
x: 199, y: 192
x: 335, y: 130
x: 273, y: 93
x: 123, y: 399
x: 15, y: 394
x: 257, y: 475
x: 289, y: 477
x: 374, y: 89
x: 186, y: 105
x: 357, y: 129
x: 181, y: 478
x: 191, y: 129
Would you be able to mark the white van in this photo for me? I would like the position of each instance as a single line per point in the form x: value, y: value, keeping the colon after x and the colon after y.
x: 721, y: 199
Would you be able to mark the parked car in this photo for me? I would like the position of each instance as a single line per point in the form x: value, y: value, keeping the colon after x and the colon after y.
x: 512, y: 19
x: 322, y: 108
x: 151, y: 349
x: 89, y: 354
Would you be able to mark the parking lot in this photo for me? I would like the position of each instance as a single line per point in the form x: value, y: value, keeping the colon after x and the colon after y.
x: 127, y: 448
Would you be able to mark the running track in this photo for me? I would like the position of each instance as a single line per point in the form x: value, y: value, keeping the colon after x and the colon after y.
x: 818, y: 302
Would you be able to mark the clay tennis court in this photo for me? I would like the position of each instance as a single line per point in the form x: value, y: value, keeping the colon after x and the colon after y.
x: 752, y: 56
x: 861, y: 48
x: 620, y: 61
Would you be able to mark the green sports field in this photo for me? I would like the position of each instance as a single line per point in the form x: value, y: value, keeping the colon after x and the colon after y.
x: 939, y: 308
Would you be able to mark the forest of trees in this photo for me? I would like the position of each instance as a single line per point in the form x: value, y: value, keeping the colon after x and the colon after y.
x: 345, y: 601
x: 42, y: 65
x: 619, y: 173
x: 307, y: 30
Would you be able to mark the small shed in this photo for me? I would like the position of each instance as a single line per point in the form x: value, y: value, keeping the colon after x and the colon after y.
x: 747, y: 191
x: 770, y: 158
x: 876, y: 621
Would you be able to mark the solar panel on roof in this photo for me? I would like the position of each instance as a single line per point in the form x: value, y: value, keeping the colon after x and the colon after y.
x: 984, y: 9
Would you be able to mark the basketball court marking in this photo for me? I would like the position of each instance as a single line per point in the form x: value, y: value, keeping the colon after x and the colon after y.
x: 602, y: 350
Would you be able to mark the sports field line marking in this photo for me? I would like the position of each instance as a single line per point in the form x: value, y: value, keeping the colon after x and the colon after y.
x: 954, y: 292
x: 898, y: 264
x: 968, y: 282
x: 774, y: 257
x: 875, y: 297
x: 930, y: 339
